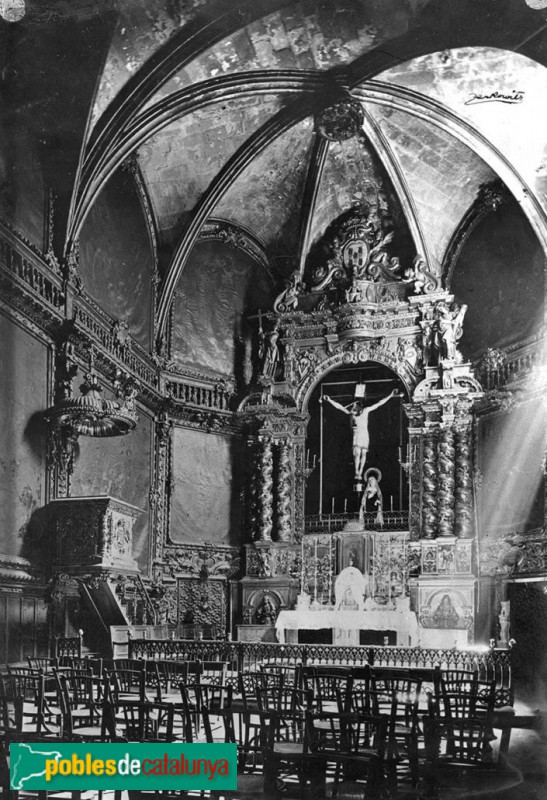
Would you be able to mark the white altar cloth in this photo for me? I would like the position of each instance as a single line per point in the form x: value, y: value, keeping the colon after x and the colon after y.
x: 380, y: 618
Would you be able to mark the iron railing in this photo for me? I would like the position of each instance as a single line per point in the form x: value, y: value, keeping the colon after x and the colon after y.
x: 249, y: 656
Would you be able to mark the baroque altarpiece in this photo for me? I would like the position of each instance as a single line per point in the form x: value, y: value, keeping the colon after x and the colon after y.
x: 362, y: 307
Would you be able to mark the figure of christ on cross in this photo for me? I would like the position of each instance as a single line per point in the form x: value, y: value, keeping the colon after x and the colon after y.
x: 359, y: 423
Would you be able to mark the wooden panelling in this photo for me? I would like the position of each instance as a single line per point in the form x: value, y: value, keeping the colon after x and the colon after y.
x: 23, y: 625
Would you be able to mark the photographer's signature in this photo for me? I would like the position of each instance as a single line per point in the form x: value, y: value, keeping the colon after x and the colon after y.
x: 495, y: 97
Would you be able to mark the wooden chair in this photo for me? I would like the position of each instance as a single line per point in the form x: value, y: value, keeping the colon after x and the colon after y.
x: 211, y: 696
x: 249, y: 719
x: 170, y: 674
x: 219, y: 726
x: 164, y: 679
x: 458, y: 764
x: 11, y: 710
x: 359, y: 700
x: 145, y: 721
x: 330, y: 686
x: 29, y: 684
x: 127, y: 684
x: 396, y: 694
x: 285, y: 735
x: 355, y: 752
x: 86, y: 708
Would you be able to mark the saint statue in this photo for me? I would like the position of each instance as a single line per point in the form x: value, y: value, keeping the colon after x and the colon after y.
x: 372, y: 495
x: 270, y: 352
x: 447, y: 330
x: 359, y: 422
x: 266, y: 613
x: 445, y: 615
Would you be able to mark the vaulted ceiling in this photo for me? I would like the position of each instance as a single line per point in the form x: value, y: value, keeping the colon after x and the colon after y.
x: 216, y: 100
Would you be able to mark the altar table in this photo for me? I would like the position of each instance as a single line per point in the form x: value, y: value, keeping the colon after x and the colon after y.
x: 388, y: 618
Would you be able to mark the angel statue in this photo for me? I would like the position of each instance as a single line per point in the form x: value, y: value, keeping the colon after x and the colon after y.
x: 287, y: 300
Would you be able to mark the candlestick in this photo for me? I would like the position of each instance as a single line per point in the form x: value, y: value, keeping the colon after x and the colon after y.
x: 345, y: 505
x: 302, y: 569
x: 389, y: 570
x: 315, y: 589
x: 373, y: 588
x: 330, y: 571
x: 392, y: 502
x: 332, y: 512
x: 405, y: 565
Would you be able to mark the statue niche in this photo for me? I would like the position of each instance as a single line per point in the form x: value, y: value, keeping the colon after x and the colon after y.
x: 350, y: 590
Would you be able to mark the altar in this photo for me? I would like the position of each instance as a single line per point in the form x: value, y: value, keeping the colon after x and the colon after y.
x: 346, y: 624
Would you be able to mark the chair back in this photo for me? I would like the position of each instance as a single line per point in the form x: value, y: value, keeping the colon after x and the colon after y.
x: 394, y: 691
x: 213, y: 673
x: 146, y: 721
x: 456, y: 740
x: 331, y: 687
x: 85, y: 690
x: 135, y: 664
x: 85, y: 664
x: 248, y: 685
x: 454, y: 680
x: 126, y: 684
x: 281, y: 675
x: 69, y: 646
x: 29, y: 685
x: 469, y: 698
x: 284, y: 700
x: 171, y: 673
x: 41, y: 663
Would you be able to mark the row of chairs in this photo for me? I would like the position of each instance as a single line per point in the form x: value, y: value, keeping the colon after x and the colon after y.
x: 368, y: 689
x: 355, y: 721
x: 400, y: 696
x: 362, y: 752
x: 44, y: 698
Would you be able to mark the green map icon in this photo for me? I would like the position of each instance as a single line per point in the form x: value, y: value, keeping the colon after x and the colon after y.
x: 28, y: 762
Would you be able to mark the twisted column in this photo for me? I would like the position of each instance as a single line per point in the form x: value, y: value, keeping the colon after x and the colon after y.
x: 298, y: 490
x: 265, y: 523
x: 464, y: 483
x: 446, y: 482
x: 415, y: 486
x: 284, y: 493
x: 429, y: 483
x: 252, y: 491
